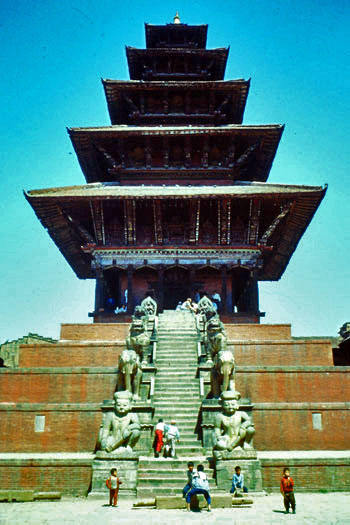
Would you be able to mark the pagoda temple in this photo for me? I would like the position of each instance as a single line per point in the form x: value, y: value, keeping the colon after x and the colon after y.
x: 176, y: 202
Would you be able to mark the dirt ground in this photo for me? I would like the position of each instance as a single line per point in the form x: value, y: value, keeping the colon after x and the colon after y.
x: 330, y: 509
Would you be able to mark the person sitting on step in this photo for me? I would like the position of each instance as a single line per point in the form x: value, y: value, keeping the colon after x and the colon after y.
x: 190, y: 473
x: 200, y: 485
x: 238, y: 482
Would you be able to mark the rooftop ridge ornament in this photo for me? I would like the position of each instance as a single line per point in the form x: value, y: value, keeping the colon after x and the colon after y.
x: 177, y: 18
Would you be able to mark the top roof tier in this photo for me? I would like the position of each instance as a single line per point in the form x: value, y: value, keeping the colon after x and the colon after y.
x: 176, y: 35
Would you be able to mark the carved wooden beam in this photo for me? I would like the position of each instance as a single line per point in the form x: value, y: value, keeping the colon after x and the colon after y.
x: 275, y: 223
x: 142, y: 103
x: 253, y: 226
x: 109, y: 159
x: 130, y: 221
x: 80, y: 230
x: 158, y: 223
x: 219, y: 221
x: 148, y: 151
x: 188, y: 158
x: 225, y: 234
x: 205, y: 152
x: 96, y: 208
x: 166, y: 151
x: 121, y: 152
x: 194, y: 221
x: 166, y: 101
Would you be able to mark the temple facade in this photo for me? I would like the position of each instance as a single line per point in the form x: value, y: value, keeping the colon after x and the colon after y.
x: 176, y: 202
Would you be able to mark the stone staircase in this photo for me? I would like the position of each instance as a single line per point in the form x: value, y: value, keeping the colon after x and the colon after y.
x: 176, y: 396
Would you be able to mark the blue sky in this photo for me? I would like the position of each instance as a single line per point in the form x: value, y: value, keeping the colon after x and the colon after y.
x: 53, y: 55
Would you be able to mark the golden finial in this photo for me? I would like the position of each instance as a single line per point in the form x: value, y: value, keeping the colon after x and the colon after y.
x: 177, y: 18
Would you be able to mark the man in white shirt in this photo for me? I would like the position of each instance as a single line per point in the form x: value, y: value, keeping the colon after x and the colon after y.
x: 172, y: 436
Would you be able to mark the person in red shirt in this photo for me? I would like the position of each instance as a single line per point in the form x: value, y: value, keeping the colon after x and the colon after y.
x: 113, y: 483
x: 287, y: 491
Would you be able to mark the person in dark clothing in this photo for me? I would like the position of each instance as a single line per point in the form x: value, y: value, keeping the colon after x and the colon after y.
x: 287, y: 491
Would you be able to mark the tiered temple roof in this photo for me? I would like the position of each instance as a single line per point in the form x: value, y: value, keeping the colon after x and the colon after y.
x: 177, y: 182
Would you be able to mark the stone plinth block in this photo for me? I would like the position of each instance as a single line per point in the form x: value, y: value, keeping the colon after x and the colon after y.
x: 101, y: 470
x: 251, y: 469
x: 197, y: 502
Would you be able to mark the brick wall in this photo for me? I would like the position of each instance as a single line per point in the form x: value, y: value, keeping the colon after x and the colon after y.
x: 68, y: 428
x: 244, y: 332
x: 293, y: 383
x: 316, y: 352
x: 95, y: 332
x: 289, y: 426
x: 57, y: 385
x: 68, y: 476
x: 309, y: 474
x: 71, y: 354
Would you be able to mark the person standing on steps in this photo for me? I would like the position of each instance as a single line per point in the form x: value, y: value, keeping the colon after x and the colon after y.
x: 287, y: 491
x: 200, y: 485
x: 190, y: 473
x: 172, y: 436
x: 158, y: 438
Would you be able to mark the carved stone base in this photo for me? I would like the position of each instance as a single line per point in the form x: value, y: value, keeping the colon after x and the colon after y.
x: 101, y: 469
x: 251, y: 469
x: 234, y: 454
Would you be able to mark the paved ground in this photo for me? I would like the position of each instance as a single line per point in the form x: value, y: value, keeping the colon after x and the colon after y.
x: 330, y: 509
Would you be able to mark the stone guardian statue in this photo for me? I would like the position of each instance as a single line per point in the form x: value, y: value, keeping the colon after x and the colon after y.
x: 233, y: 428
x: 120, y: 429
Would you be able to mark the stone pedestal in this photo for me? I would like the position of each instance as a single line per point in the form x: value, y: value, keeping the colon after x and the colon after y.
x: 250, y: 466
x: 101, y: 469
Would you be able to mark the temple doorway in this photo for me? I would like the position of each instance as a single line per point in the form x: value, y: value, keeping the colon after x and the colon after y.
x: 176, y: 287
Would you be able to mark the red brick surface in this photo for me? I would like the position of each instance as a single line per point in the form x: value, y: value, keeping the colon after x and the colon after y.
x: 294, y: 384
x: 95, y: 332
x: 68, y: 478
x: 291, y: 428
x: 65, y: 431
x: 57, y: 385
x: 308, y: 474
x: 70, y: 354
x: 306, y: 352
x: 244, y: 332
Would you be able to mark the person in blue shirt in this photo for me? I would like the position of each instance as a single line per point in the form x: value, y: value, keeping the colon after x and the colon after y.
x: 238, y: 482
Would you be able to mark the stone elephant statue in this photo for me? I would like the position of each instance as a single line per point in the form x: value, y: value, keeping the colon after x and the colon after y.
x: 130, y: 373
x: 222, y: 376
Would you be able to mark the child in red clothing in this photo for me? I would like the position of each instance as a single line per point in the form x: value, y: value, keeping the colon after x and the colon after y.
x: 287, y: 491
x: 113, y: 483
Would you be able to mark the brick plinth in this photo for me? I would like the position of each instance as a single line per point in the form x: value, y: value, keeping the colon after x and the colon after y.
x: 310, y: 473
x: 315, y: 352
x: 67, y: 427
x: 293, y: 383
x: 95, y: 332
x: 71, y: 476
x: 289, y: 426
x: 57, y: 385
x: 71, y: 354
x: 247, y: 331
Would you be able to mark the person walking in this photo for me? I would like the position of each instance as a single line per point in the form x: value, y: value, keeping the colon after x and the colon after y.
x: 172, y: 436
x: 158, y: 438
